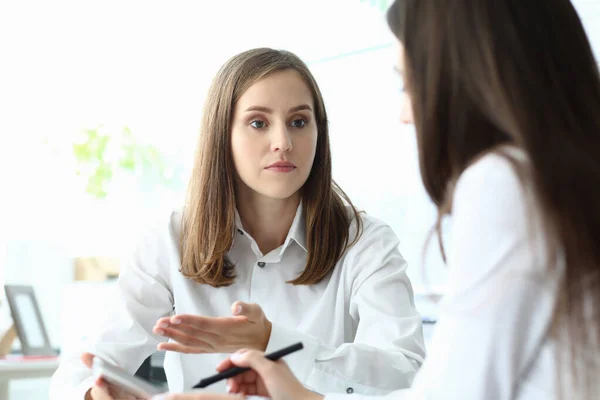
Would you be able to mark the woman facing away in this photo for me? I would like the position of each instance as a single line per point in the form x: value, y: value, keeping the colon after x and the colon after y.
x: 505, y: 98
x: 267, y: 251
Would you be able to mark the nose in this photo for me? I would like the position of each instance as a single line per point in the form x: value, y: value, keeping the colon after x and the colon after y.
x: 406, y: 114
x: 281, y: 139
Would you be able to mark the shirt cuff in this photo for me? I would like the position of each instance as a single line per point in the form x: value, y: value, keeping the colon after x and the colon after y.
x: 339, y: 386
x: 402, y: 394
x: 301, y: 362
x: 304, y: 364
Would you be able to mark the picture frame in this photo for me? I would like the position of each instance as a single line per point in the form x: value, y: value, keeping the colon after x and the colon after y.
x: 28, y: 322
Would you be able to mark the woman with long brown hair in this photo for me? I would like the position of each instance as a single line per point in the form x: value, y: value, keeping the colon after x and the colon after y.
x: 505, y: 98
x: 268, y: 250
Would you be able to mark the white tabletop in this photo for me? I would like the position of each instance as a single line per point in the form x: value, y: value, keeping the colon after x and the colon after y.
x: 18, y: 368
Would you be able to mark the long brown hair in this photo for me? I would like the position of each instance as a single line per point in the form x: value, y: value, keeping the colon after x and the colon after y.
x: 208, y: 223
x: 487, y: 73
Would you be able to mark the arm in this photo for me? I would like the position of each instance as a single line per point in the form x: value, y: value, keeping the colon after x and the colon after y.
x: 126, y: 340
x: 500, y: 297
x: 388, y: 346
x: 500, y: 292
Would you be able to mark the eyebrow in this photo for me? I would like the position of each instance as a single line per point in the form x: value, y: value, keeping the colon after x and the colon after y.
x: 269, y: 111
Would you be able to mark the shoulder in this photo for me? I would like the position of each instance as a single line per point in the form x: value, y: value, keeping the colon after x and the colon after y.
x: 159, y: 239
x: 498, y: 182
x: 496, y: 217
x: 374, y: 255
x: 371, y: 229
x: 155, y: 256
x: 164, y: 227
x: 376, y: 247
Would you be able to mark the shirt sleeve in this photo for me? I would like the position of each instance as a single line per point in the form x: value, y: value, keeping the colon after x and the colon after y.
x: 144, y: 296
x: 388, y: 347
x: 500, y: 296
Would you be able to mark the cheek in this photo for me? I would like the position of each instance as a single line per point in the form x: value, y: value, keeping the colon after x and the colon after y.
x: 236, y: 149
x: 307, y: 147
x: 242, y: 151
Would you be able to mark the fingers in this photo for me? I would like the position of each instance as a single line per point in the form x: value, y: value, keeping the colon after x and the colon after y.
x: 248, y: 389
x: 204, y: 341
x: 164, y: 327
x: 249, y: 383
x: 236, y: 383
x: 100, y: 392
x: 87, y: 359
x: 251, y: 358
x: 272, y: 379
x: 225, y: 364
x: 205, y: 324
x: 248, y: 377
x: 265, y: 368
x: 237, y: 308
x: 181, y: 348
x: 105, y: 390
x: 193, y: 334
x: 233, y: 386
x: 252, y: 311
x: 196, y: 396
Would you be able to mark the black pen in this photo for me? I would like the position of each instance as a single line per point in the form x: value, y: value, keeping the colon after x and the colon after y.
x: 231, y: 372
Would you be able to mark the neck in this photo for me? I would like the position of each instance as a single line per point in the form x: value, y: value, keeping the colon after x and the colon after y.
x: 268, y: 221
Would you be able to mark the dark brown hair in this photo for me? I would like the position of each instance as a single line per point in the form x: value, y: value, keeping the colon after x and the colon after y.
x: 487, y: 73
x: 208, y: 222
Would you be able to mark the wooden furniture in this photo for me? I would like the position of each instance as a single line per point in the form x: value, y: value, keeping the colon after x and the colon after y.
x: 7, y: 340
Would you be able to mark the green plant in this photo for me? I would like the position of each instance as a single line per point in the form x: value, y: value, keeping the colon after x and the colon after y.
x: 101, y: 154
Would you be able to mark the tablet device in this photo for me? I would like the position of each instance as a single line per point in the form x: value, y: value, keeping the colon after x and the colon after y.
x: 116, y: 376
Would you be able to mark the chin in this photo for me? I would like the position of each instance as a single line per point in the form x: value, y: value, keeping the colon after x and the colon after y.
x: 279, y: 193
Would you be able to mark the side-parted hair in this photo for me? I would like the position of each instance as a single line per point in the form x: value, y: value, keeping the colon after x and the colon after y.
x: 484, y: 74
x: 208, y: 224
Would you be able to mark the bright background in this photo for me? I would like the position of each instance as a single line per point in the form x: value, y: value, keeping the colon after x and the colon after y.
x: 71, y: 66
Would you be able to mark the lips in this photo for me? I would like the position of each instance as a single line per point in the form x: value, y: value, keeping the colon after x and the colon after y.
x: 281, y: 166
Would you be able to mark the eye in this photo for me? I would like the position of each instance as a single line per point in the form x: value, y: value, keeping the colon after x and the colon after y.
x: 298, y: 123
x: 258, y: 124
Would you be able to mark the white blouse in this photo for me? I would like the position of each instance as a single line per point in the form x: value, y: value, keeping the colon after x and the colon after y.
x: 491, y: 340
x: 359, y: 326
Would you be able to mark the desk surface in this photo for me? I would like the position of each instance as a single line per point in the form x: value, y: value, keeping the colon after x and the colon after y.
x: 15, y: 368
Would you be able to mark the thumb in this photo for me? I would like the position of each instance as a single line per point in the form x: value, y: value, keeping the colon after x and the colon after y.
x: 252, y: 311
x: 87, y: 359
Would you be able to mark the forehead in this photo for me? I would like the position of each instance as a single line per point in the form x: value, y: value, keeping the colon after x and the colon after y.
x: 279, y: 88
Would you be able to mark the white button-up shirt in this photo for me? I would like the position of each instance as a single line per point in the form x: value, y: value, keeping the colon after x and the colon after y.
x: 491, y: 340
x: 359, y: 326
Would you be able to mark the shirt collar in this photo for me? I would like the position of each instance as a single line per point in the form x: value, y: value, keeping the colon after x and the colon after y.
x: 297, y: 231
x: 298, y: 228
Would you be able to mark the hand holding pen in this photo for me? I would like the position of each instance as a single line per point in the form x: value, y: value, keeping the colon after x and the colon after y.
x: 261, y: 377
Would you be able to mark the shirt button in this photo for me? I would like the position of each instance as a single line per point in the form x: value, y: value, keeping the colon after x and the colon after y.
x: 261, y: 264
x: 349, y: 390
